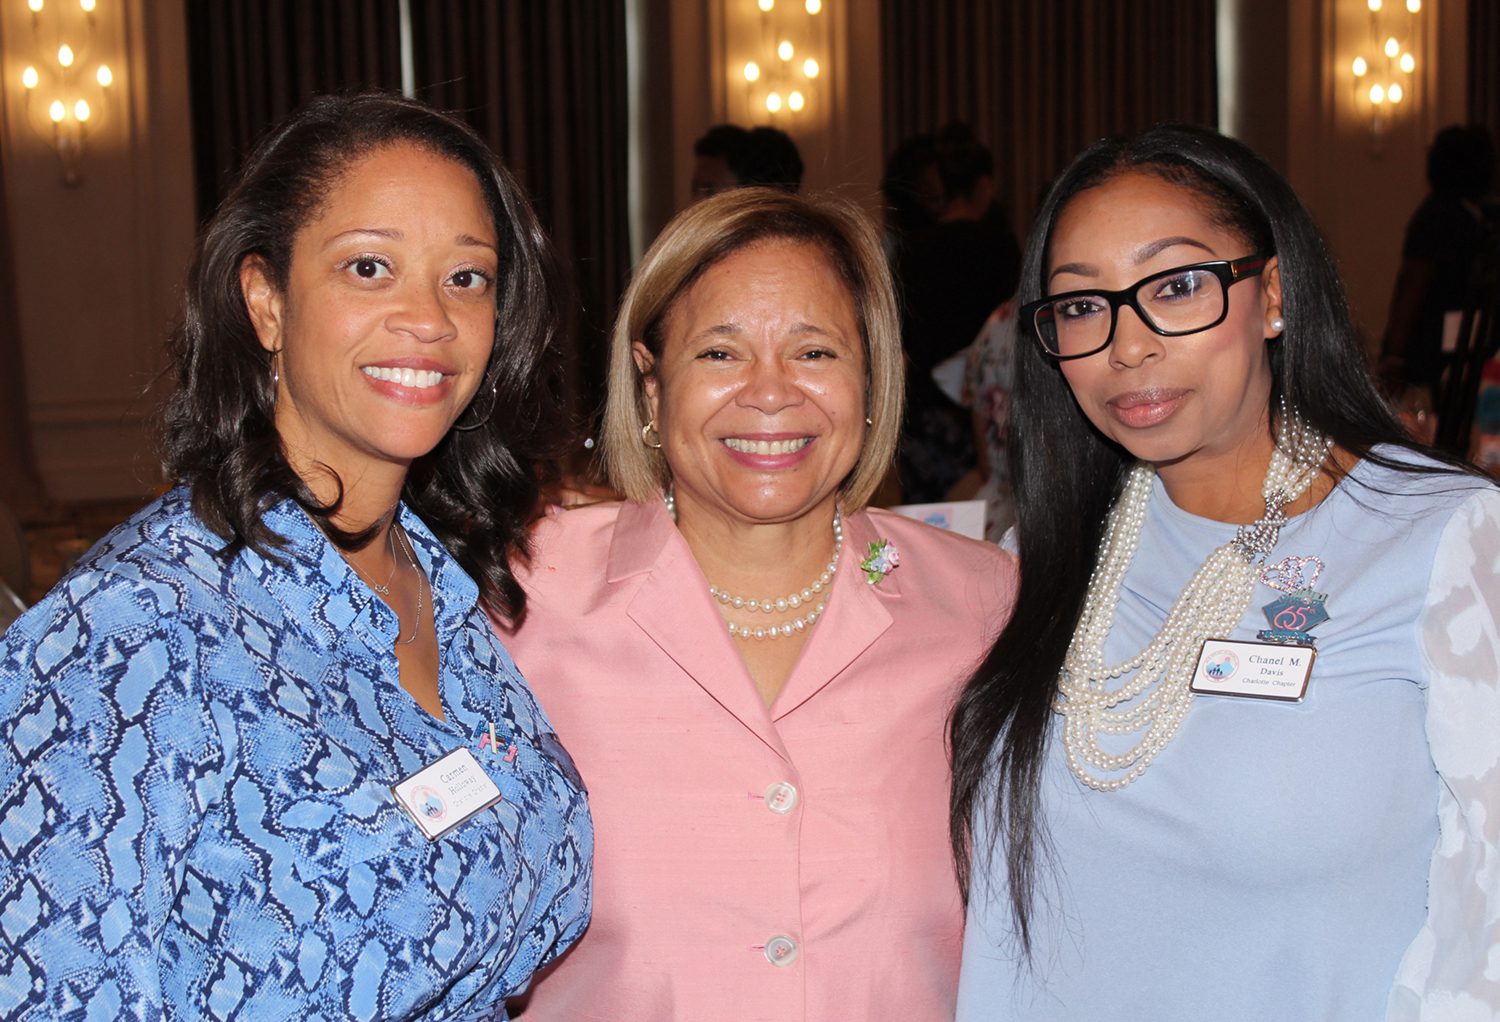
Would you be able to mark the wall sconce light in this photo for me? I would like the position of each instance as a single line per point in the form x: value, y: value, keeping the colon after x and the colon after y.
x: 67, y: 91
x: 784, y: 78
x: 1381, y: 74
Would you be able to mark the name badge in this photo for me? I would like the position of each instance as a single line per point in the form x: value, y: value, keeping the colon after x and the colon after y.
x: 1254, y: 670
x: 446, y: 794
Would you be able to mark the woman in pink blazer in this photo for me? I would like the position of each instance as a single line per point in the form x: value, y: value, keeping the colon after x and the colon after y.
x: 751, y: 669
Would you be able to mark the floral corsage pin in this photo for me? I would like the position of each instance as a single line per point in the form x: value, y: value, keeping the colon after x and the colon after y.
x: 882, y: 561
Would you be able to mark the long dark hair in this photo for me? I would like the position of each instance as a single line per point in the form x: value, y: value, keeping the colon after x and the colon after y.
x: 1067, y: 476
x: 477, y: 489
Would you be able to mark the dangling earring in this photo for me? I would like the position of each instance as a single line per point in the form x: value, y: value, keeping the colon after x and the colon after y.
x: 649, y: 428
x: 479, y: 420
x: 275, y: 377
x: 1278, y: 324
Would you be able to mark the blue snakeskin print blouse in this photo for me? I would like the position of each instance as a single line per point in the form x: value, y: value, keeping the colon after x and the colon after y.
x: 195, y: 816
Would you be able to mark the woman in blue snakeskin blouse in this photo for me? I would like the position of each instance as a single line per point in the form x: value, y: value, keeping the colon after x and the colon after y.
x: 261, y: 754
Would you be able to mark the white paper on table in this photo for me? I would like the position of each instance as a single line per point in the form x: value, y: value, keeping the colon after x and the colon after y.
x: 965, y: 517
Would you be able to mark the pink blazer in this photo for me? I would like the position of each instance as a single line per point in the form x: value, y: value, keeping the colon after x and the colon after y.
x: 782, y: 865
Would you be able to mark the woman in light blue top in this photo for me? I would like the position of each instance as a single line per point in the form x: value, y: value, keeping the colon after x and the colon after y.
x: 1237, y: 753
x: 261, y: 754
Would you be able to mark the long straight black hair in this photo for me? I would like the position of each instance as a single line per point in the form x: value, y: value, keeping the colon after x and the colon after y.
x: 1067, y: 476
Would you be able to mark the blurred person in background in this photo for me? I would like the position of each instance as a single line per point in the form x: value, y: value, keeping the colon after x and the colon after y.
x: 1443, y: 238
x: 728, y: 156
x: 952, y: 276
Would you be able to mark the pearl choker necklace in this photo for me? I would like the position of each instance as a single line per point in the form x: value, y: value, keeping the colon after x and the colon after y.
x: 1153, y: 701
x: 812, y: 591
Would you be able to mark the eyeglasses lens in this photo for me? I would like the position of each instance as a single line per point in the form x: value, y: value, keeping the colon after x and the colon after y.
x: 1180, y: 302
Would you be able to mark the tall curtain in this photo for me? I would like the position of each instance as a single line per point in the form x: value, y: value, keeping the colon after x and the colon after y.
x: 252, y: 62
x: 20, y: 485
x: 1041, y: 79
x: 544, y: 82
x: 1484, y: 65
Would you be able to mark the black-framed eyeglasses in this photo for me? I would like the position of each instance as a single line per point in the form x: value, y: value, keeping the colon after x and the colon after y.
x: 1175, y: 302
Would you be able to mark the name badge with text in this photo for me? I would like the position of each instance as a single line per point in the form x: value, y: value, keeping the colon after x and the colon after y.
x: 1254, y: 670
x: 446, y: 794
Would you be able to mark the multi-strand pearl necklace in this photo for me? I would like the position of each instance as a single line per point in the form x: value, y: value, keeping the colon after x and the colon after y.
x: 815, y: 590
x: 1154, y: 700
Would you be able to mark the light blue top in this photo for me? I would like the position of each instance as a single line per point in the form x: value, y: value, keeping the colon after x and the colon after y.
x: 195, y: 815
x: 1274, y: 861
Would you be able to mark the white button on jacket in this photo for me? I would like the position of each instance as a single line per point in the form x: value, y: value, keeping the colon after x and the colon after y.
x: 781, y: 797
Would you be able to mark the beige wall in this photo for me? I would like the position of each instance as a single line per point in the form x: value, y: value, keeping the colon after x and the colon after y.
x: 98, y: 264
x: 1296, y: 102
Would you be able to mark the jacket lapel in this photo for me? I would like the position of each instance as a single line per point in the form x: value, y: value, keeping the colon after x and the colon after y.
x: 673, y: 608
x: 857, y: 614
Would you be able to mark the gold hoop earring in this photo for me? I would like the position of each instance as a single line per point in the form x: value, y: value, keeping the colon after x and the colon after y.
x: 648, y: 428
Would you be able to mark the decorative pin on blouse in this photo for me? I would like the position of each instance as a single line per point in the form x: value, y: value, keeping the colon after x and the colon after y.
x: 1295, y: 614
x: 883, y: 559
x: 495, y: 745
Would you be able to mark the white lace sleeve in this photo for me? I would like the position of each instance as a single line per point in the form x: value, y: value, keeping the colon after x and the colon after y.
x: 1451, y: 971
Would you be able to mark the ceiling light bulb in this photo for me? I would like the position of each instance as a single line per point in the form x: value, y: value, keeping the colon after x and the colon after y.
x: 796, y: 101
x: 65, y: 55
x: 81, y: 110
x: 1392, y: 47
x: 773, y: 102
x: 785, y: 51
x: 87, y: 5
x: 1374, y: 5
x: 35, y: 5
x: 814, y: 6
x: 104, y: 76
x: 766, y: 5
x: 752, y: 71
x: 57, y: 111
x: 810, y: 68
x: 1395, y: 92
x: 1408, y: 63
x: 1377, y: 95
x: 1360, y: 67
x: 1414, y: 5
x: 30, y: 78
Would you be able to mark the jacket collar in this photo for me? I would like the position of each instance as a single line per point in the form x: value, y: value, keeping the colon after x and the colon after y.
x: 673, y: 608
x: 641, y: 537
x: 858, y: 613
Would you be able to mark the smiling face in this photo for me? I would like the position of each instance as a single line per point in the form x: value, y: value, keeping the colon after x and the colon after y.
x: 1198, y: 400
x: 758, y: 393
x: 387, y: 319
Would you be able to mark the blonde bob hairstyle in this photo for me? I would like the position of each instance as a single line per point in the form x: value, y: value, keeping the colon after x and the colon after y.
x: 701, y: 236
